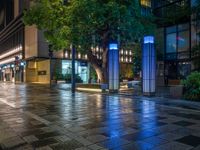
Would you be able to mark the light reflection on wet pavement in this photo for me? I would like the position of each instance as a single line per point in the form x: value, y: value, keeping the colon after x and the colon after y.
x: 37, y: 117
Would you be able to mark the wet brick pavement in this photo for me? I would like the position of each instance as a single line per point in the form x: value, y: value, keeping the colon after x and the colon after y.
x: 35, y: 117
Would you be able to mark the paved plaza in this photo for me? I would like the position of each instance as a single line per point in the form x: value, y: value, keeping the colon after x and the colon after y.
x: 35, y: 117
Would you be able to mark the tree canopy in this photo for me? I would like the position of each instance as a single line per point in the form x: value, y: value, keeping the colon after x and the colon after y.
x: 90, y: 23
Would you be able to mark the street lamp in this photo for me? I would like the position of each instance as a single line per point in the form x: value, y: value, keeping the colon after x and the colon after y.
x: 73, y: 78
x: 148, y: 66
x: 50, y: 58
x: 113, y: 67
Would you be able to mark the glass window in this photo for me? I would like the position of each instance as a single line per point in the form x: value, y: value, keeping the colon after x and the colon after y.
x: 171, y: 43
x: 183, y: 41
x: 171, y: 29
x: 146, y: 3
x: 81, y: 69
x: 183, y: 27
x: 177, y: 40
x: 193, y: 2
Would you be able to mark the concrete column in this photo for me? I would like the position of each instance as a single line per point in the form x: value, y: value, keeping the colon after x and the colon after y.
x: 16, y: 8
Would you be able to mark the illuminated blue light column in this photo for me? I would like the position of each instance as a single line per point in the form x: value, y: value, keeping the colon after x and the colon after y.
x: 113, y: 67
x: 148, y: 66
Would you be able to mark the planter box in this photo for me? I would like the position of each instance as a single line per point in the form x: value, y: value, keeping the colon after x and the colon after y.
x: 176, y: 91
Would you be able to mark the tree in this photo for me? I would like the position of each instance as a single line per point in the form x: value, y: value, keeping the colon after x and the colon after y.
x: 89, y: 24
x: 137, y: 57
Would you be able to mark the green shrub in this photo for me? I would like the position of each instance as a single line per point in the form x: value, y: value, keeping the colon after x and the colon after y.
x: 192, y: 86
x: 68, y: 78
x: 59, y: 76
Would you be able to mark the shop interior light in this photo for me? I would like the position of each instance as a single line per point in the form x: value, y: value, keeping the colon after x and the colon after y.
x: 22, y: 64
x: 79, y: 55
x: 66, y: 54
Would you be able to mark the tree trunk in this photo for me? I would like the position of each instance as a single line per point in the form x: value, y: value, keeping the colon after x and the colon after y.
x: 98, y: 67
x: 104, y: 65
x: 101, y: 66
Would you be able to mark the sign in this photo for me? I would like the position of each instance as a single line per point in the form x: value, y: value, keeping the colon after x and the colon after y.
x: 42, y: 73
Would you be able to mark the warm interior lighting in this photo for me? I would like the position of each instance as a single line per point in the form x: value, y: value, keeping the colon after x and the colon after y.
x: 79, y: 55
x: 146, y: 3
x: 7, y: 61
x: 10, y: 52
x: 89, y: 89
x: 66, y: 54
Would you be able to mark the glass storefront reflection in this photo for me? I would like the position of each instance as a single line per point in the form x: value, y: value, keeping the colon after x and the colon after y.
x: 82, y: 69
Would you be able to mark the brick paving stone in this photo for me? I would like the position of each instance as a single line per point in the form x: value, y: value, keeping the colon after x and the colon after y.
x: 6, y: 133
x: 97, y: 138
x: 62, y: 138
x: 44, y: 148
x: 95, y: 147
x: 155, y: 141
x: 36, y: 117
x: 24, y: 147
x: 30, y: 138
x: 12, y: 142
x: 82, y: 148
x: 173, y: 146
x: 68, y: 145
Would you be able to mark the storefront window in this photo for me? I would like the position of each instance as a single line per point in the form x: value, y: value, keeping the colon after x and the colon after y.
x: 81, y: 69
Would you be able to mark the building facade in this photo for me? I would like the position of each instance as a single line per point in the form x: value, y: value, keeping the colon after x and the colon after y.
x: 178, y: 35
x: 24, y: 54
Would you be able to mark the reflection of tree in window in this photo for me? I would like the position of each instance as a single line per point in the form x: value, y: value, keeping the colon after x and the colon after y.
x: 183, y: 41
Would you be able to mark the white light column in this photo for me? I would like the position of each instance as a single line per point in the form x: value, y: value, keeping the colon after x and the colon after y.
x: 148, y: 66
x: 113, y: 67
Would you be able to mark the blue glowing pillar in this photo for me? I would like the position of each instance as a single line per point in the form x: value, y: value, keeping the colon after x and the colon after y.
x: 113, y: 67
x: 148, y: 66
